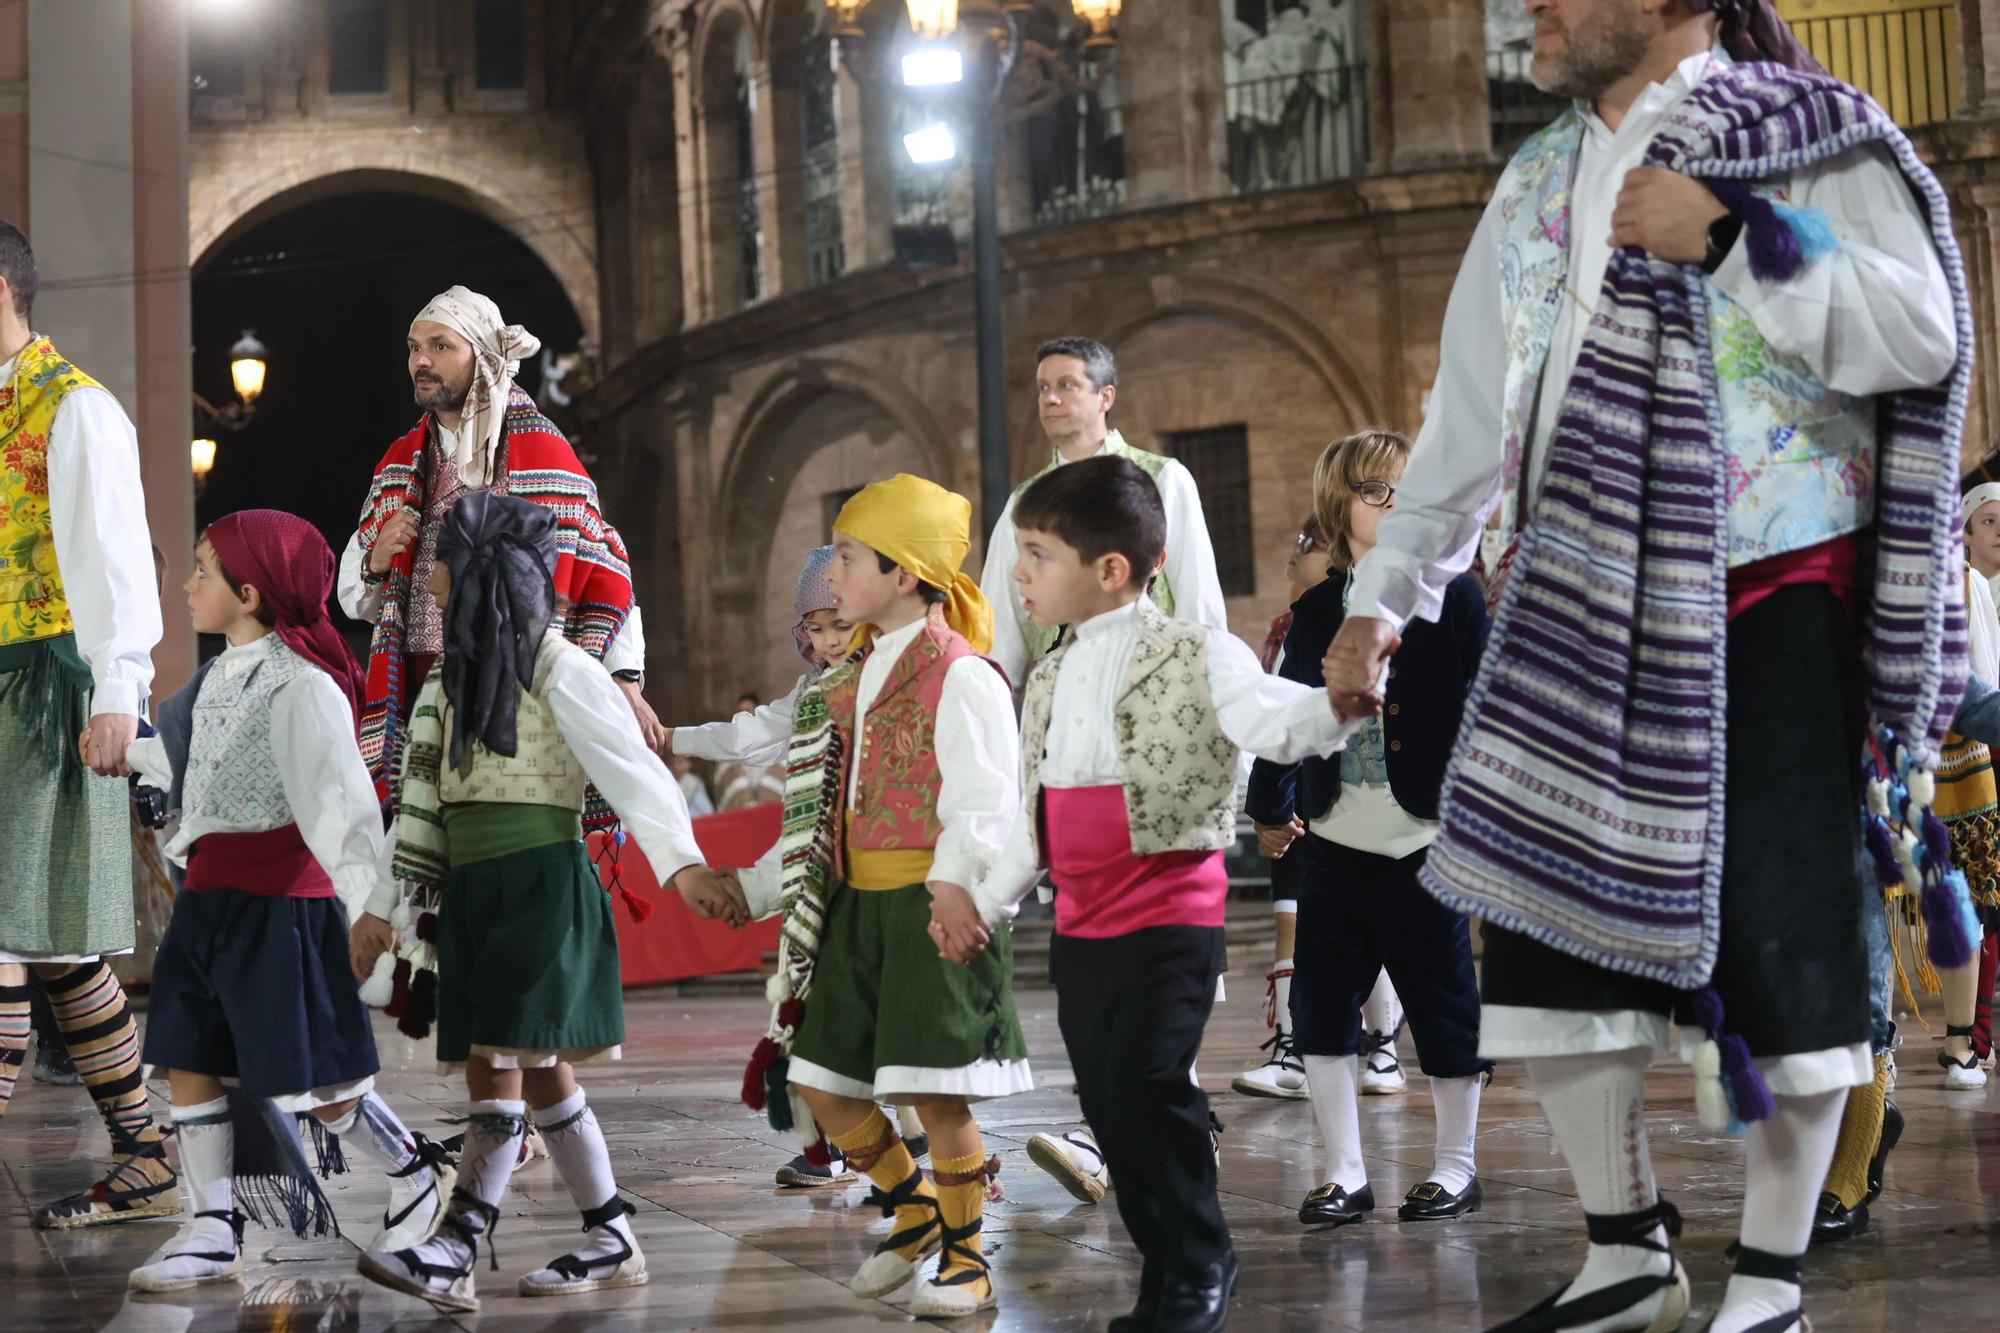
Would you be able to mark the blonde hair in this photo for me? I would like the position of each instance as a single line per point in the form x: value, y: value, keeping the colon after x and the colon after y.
x: 1368, y: 455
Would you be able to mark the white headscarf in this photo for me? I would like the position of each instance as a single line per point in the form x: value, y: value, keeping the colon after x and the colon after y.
x: 498, y: 348
x: 1982, y: 620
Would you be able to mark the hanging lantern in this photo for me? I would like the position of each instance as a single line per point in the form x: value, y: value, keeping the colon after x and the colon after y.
x: 201, y: 454
x: 847, y: 19
x: 246, y: 367
x: 1100, y: 15
x: 933, y: 20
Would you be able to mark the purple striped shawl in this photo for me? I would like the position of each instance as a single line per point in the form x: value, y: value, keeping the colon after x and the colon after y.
x: 1584, y: 803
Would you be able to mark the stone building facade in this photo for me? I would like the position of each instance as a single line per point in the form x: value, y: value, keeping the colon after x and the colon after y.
x: 1259, y: 207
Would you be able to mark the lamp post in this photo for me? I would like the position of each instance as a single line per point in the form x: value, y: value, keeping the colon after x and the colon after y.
x: 248, y: 363
x: 965, y: 59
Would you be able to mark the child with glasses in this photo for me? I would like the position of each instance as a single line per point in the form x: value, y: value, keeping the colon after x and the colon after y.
x: 1369, y: 815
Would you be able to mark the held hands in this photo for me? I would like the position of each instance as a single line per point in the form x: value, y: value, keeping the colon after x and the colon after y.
x: 1665, y: 214
x: 367, y: 940
x: 955, y: 926
x: 394, y: 539
x: 1354, y: 663
x: 104, y: 742
x: 713, y: 895
x: 1277, y: 839
x: 657, y: 734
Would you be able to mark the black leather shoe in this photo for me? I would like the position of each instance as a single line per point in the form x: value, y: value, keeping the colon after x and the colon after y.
x: 1892, y: 1130
x: 1330, y: 1205
x: 1147, y: 1310
x: 1201, y: 1305
x: 1430, y: 1201
x: 1834, y: 1220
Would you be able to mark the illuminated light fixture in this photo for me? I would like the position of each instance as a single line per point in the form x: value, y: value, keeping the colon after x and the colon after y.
x: 1100, y: 15
x: 847, y: 19
x: 933, y: 66
x: 201, y: 455
x: 931, y: 145
x: 247, y: 365
x: 932, y: 20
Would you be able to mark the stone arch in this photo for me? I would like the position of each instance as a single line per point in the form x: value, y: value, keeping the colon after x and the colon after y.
x: 560, y: 230
x: 816, y: 427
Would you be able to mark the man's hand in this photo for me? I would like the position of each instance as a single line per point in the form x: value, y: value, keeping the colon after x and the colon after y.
x: 714, y: 895
x: 1665, y: 214
x: 1277, y: 839
x: 394, y: 539
x: 955, y: 924
x: 650, y: 727
x: 105, y: 743
x: 367, y: 940
x: 1354, y: 662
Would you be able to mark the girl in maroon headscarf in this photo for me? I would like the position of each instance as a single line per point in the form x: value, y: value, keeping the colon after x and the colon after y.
x: 254, y: 983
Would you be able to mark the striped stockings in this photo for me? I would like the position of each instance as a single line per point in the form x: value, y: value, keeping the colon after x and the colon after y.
x: 13, y: 1039
x: 103, y: 1040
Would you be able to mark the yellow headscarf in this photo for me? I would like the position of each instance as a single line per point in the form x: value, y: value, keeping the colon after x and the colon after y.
x: 927, y: 530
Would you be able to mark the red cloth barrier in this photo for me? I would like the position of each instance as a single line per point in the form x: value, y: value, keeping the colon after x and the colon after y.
x: 673, y: 943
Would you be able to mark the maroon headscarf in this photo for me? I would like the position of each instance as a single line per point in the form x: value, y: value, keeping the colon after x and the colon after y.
x: 1755, y: 30
x: 291, y: 566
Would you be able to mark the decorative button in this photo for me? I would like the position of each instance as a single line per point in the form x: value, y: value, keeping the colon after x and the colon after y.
x: 1395, y: 709
x: 1395, y: 745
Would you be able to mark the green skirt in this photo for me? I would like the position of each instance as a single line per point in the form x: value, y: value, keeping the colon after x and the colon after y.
x: 527, y: 959
x: 886, y: 1017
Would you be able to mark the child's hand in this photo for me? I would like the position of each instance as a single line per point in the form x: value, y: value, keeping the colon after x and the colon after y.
x: 955, y: 923
x: 367, y: 940
x: 713, y: 895
x: 1277, y: 839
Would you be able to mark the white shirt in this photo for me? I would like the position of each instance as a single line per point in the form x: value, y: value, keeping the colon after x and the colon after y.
x: 97, y: 508
x: 1873, y: 317
x: 1265, y: 715
x: 362, y: 601
x: 596, y: 724
x: 758, y: 737
x: 979, y: 768
x: 1189, y: 571
x: 320, y: 766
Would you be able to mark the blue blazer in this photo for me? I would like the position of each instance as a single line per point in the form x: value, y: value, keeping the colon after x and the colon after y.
x: 1429, y: 678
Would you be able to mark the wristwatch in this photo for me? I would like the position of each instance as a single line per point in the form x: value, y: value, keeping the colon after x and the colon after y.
x: 1722, y: 234
x: 629, y: 676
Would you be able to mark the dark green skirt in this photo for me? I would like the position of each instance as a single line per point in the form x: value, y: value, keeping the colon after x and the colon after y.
x: 527, y: 959
x: 887, y: 1017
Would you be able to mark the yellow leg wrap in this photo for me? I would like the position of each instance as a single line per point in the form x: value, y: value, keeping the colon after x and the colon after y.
x: 1860, y: 1133
x: 873, y: 1148
x: 961, y: 1190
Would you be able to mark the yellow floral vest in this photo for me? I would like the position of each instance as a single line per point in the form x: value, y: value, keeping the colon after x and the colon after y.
x: 32, y: 604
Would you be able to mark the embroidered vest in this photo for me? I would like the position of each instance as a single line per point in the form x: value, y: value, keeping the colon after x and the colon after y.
x: 32, y: 604
x: 232, y: 769
x: 543, y: 769
x: 895, y: 761
x: 1800, y: 457
x: 1180, y: 770
x: 1039, y: 639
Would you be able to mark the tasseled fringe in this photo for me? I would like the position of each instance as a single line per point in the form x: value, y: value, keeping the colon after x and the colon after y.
x: 273, y: 1183
x: 48, y: 696
x: 422, y: 1008
x: 762, y: 1059
x: 1781, y: 239
x: 331, y: 1161
x: 1729, y: 1092
x: 399, y: 989
x: 1932, y: 922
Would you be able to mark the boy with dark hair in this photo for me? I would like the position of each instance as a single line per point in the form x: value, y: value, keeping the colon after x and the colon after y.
x: 1130, y: 741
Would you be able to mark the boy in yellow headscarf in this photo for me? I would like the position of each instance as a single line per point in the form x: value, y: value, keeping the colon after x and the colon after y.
x: 903, y: 784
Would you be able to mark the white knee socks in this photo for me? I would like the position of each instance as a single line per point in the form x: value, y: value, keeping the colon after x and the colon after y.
x: 1334, y: 1082
x: 377, y: 1132
x: 1381, y: 1012
x: 1456, y: 1102
x: 576, y: 1145
x: 1784, y: 1160
x: 492, y: 1146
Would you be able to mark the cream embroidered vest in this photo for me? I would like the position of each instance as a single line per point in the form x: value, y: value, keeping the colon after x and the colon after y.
x: 232, y: 768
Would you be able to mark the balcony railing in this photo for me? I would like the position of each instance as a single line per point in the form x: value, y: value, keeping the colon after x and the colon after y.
x: 1516, y: 106
x: 1298, y: 129
x: 1907, y: 55
x: 1076, y: 160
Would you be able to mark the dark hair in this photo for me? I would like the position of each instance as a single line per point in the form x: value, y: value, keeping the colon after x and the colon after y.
x: 265, y: 616
x: 1100, y: 505
x: 17, y: 266
x: 1098, y: 363
x: 932, y: 595
x: 752, y: 696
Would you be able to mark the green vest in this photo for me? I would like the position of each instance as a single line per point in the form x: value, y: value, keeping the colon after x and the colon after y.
x: 1040, y: 639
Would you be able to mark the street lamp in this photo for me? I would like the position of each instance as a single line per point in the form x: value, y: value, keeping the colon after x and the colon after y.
x: 987, y: 36
x: 246, y: 367
x: 201, y: 454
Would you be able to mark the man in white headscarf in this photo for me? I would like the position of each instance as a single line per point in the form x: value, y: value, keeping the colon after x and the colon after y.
x: 480, y: 431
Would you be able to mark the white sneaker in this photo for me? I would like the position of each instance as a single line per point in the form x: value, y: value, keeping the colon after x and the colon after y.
x: 1280, y: 1076
x: 417, y: 1197
x: 1075, y: 1162
x: 1961, y: 1070
x: 207, y: 1248
x: 1381, y: 1072
x: 609, y: 1258
x: 440, y: 1269
x: 935, y: 1300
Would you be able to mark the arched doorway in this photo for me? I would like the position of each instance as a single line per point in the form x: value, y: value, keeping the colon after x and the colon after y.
x: 331, y: 287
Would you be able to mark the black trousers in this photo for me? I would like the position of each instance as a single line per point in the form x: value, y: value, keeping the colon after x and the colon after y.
x: 1132, y: 1009
x: 1792, y: 970
x: 1361, y: 914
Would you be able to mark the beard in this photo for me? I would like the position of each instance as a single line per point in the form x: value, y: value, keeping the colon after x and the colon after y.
x: 438, y: 396
x: 1608, y: 45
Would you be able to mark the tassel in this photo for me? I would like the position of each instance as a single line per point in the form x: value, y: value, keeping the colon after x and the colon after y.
x: 399, y: 989
x: 1711, y: 1102
x: 399, y: 918
x: 819, y: 1152
x: 381, y: 985
x: 1948, y: 943
x: 803, y: 1126
x: 273, y: 1184
x: 1748, y: 1092
x: 767, y: 1054
x: 778, y: 989
x: 792, y: 1013
x: 1882, y: 851
x: 329, y: 1158
x: 427, y: 926
x: 1774, y: 248
x: 777, y: 1084
x: 422, y: 1009
x: 1811, y: 228
x: 637, y: 906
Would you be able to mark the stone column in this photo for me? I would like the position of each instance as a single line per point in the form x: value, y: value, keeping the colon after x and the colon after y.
x: 1171, y: 82
x: 865, y: 112
x: 778, y: 148
x: 14, y: 111
x: 1979, y: 37
x: 1428, y: 70
x: 696, y: 299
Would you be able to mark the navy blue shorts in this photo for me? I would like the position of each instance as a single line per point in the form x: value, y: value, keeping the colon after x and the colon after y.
x: 259, y: 990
